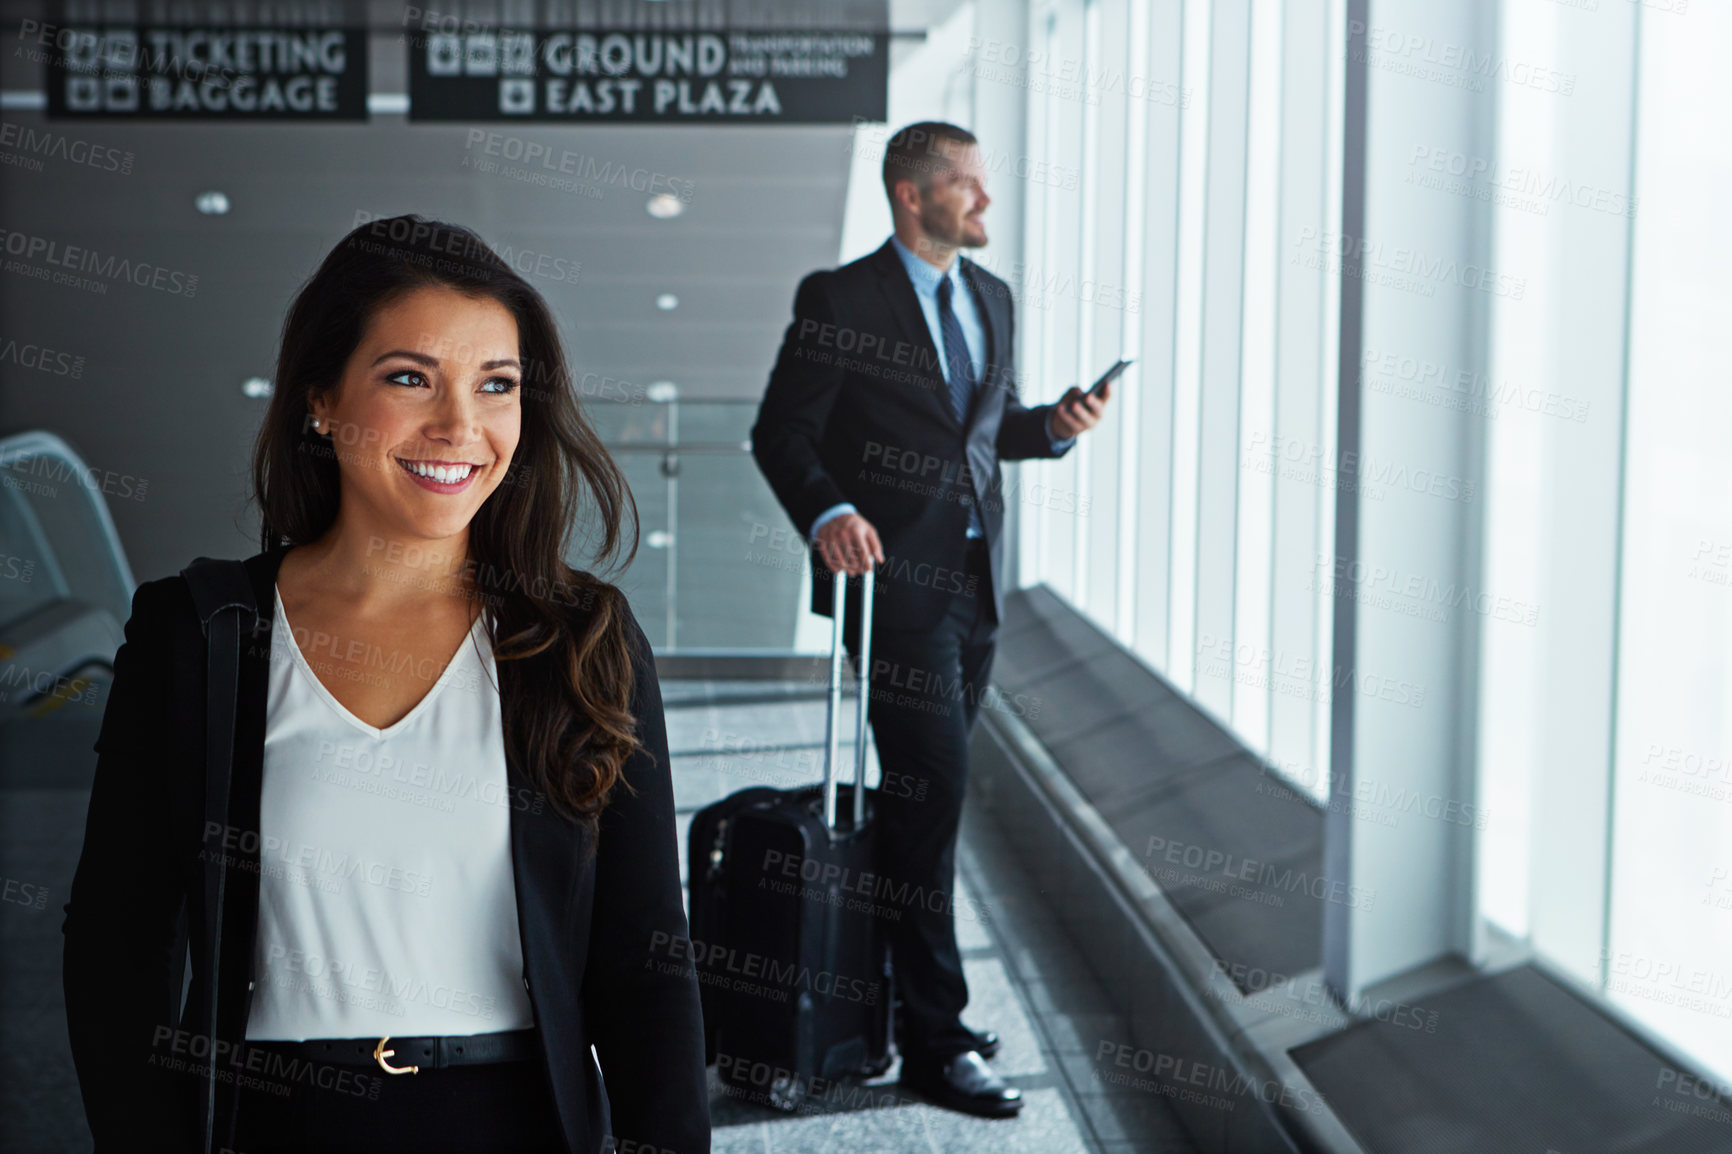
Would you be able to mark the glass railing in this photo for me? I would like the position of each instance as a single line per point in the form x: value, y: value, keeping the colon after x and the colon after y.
x: 719, y: 565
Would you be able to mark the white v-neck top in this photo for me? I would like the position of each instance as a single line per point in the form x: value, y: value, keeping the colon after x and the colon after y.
x: 387, y: 903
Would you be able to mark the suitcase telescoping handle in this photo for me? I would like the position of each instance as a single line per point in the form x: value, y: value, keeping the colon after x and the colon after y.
x: 832, y: 730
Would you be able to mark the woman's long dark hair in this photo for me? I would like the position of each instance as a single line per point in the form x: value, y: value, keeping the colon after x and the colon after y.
x: 560, y: 635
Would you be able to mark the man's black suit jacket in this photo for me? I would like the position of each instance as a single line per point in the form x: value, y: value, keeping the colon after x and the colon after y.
x: 596, y: 931
x: 857, y: 410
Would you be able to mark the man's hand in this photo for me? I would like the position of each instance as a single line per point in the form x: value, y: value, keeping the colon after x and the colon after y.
x: 849, y: 544
x: 1077, y: 412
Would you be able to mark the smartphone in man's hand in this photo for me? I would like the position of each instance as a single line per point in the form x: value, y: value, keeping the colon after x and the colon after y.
x: 1108, y: 377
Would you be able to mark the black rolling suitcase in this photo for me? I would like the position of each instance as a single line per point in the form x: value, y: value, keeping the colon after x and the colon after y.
x: 790, y: 944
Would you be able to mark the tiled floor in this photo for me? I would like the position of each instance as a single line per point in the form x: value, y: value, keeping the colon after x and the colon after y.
x: 1026, y: 979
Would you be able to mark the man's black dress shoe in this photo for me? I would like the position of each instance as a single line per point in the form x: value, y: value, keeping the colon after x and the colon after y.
x: 985, y: 1041
x: 962, y: 1082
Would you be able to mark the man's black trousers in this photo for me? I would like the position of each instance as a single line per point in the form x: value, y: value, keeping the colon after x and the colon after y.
x: 927, y: 686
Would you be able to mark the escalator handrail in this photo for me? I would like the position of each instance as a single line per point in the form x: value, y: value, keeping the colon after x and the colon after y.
x: 40, y: 443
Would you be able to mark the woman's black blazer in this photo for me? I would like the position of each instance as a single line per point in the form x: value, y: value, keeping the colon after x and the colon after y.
x: 596, y: 929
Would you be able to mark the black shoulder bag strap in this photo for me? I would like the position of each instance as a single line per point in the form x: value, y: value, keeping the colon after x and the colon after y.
x: 223, y: 595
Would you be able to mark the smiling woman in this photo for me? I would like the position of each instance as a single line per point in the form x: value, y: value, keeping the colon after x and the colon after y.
x: 451, y: 835
x: 449, y: 423
x: 402, y: 356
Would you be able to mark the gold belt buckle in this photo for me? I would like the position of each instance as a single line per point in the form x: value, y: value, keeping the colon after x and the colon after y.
x: 380, y: 1053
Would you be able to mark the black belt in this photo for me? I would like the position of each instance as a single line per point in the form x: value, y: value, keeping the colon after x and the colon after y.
x: 411, y: 1055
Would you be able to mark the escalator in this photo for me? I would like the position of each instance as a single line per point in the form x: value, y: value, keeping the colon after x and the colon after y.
x: 65, y: 591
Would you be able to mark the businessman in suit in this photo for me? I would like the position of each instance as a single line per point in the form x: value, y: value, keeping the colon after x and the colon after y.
x: 893, y: 398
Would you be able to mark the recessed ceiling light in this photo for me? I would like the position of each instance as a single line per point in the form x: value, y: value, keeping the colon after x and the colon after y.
x: 255, y: 387
x: 665, y: 206
x: 667, y: 302
x: 212, y: 203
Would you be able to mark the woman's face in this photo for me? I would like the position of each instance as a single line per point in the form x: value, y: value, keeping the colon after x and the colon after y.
x: 427, y: 414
